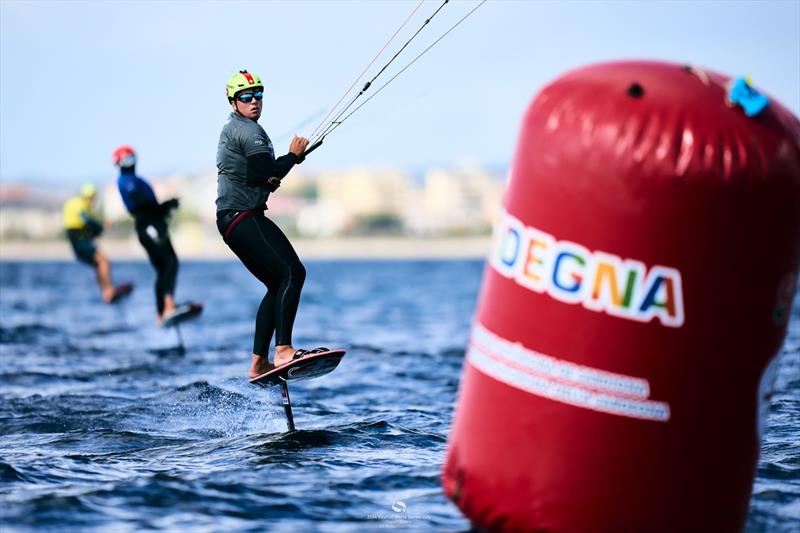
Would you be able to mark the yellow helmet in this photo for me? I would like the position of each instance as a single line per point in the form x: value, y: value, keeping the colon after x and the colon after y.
x: 240, y: 81
x: 88, y: 190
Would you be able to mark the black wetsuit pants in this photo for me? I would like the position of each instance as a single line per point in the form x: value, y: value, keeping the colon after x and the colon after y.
x: 268, y: 255
x: 154, y: 237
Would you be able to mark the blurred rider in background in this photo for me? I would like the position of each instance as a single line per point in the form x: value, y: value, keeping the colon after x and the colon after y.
x: 83, y: 226
x: 150, y: 218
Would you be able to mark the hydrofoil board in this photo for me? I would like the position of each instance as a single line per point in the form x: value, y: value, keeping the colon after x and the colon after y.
x: 307, y: 367
x: 121, y: 291
x: 182, y: 313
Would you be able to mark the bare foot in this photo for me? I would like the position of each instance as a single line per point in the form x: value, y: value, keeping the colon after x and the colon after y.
x: 259, y: 365
x: 283, y: 354
x: 169, y: 305
x: 108, y: 294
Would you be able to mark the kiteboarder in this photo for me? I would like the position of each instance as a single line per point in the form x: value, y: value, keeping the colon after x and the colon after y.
x: 248, y: 172
x: 83, y: 226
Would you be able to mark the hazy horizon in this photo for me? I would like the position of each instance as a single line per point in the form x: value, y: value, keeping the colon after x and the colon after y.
x: 78, y: 78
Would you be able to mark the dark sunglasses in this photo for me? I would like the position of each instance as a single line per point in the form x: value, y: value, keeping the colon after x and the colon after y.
x: 248, y: 97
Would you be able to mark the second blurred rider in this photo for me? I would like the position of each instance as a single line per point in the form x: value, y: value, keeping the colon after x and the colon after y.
x: 151, y: 227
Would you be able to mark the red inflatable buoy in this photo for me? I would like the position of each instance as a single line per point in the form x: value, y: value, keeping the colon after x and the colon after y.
x: 636, y: 294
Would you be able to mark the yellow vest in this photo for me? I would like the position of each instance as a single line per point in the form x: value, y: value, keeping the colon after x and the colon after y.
x: 72, y: 212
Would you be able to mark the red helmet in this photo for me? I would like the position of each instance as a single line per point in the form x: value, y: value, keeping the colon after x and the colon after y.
x: 124, y: 156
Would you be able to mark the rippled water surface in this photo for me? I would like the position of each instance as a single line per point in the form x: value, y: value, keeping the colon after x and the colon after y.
x: 104, y: 426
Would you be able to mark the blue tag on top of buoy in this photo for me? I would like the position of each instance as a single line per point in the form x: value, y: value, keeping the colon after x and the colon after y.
x: 742, y: 93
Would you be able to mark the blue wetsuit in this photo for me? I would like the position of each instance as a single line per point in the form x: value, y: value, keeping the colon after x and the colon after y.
x: 136, y: 193
x: 151, y: 227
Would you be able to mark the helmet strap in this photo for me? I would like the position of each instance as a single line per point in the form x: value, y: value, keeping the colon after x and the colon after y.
x: 235, y: 107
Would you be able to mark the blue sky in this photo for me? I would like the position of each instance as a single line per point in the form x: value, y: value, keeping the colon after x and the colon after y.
x: 79, y: 78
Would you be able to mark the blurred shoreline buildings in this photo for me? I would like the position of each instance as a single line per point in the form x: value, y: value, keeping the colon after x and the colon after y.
x: 461, y: 201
